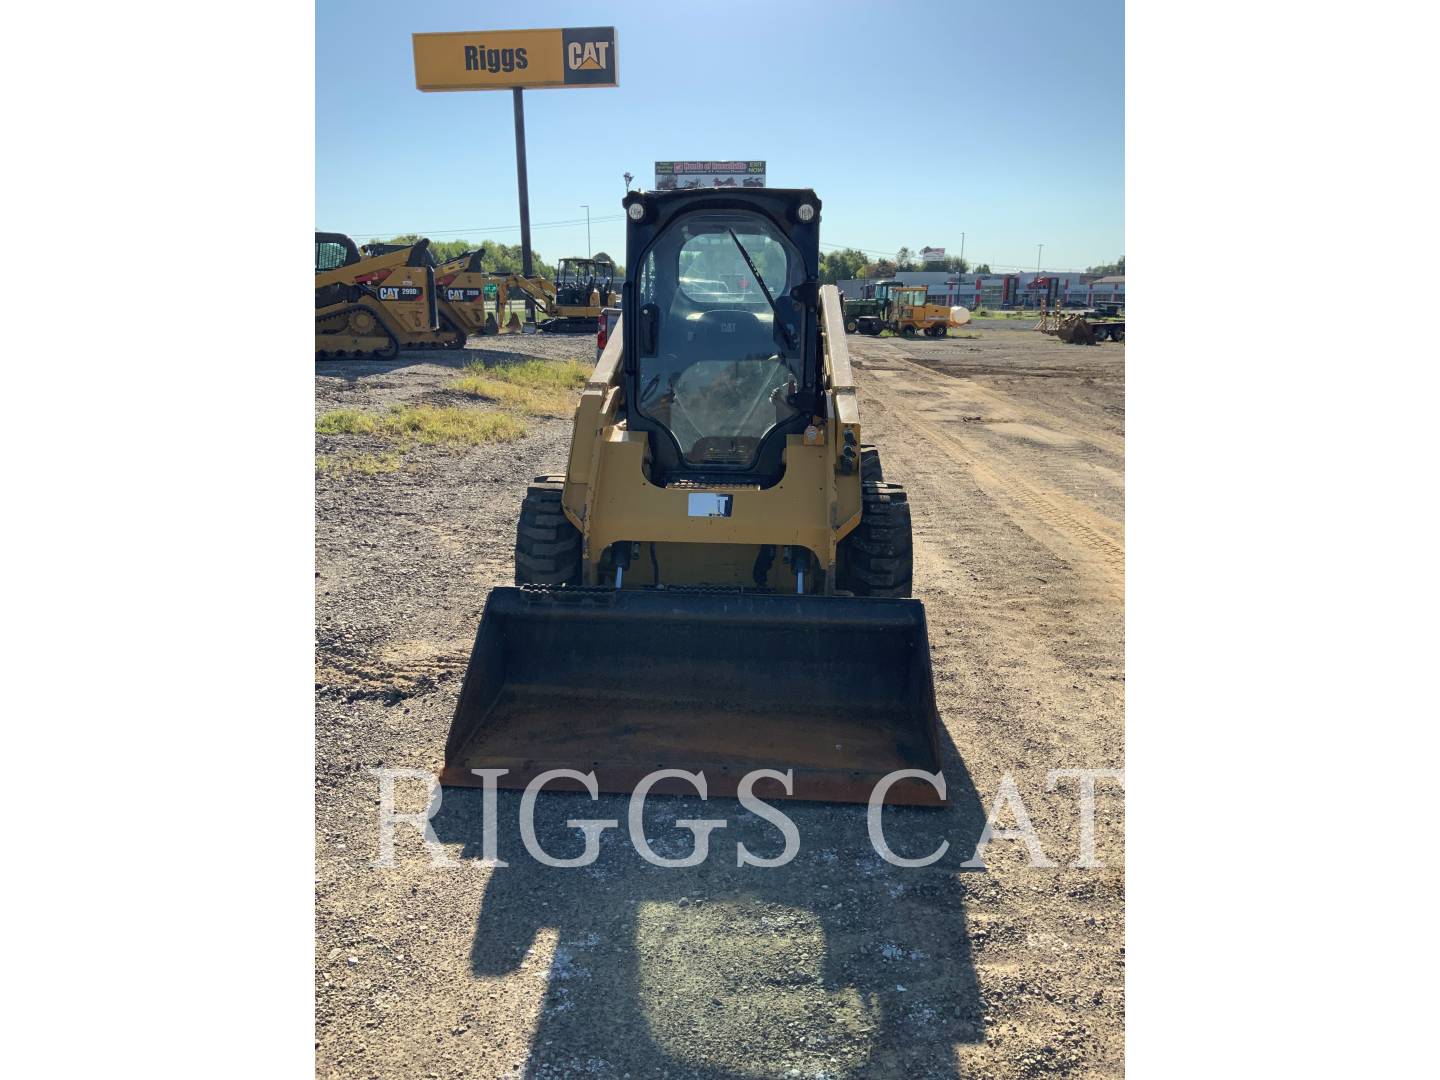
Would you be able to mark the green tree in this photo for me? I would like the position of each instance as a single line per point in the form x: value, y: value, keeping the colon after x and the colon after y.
x: 1108, y: 269
x: 619, y: 268
x: 842, y: 265
x: 499, y: 258
x: 904, y: 260
x: 505, y: 259
x: 881, y: 268
x: 950, y: 264
x: 983, y: 268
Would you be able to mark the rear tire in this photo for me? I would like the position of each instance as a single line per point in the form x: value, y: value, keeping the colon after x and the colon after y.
x: 547, y: 546
x: 877, y: 558
x: 850, y: 326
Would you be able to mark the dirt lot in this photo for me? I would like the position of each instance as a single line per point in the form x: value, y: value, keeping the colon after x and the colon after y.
x: 838, y: 965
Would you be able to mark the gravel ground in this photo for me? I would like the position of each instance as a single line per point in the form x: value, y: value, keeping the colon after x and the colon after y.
x: 837, y: 965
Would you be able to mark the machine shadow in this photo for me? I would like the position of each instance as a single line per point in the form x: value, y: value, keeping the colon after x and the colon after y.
x: 836, y: 964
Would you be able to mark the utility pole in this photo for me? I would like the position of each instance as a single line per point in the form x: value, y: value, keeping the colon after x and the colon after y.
x: 1038, y: 249
x: 960, y: 270
x: 524, y: 182
x: 586, y: 208
x: 628, y: 178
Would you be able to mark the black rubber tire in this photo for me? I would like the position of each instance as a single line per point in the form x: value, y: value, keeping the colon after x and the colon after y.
x: 1117, y: 334
x: 547, y: 546
x: 850, y: 326
x: 870, y: 468
x: 877, y: 558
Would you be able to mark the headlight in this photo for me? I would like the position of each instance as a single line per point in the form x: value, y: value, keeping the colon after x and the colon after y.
x: 636, y: 211
x: 806, y: 213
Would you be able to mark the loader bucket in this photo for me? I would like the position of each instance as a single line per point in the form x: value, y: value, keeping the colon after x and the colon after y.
x: 623, y: 683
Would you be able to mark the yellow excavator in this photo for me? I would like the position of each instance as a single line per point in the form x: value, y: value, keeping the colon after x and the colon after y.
x: 719, y: 580
x: 370, y: 306
x: 573, y: 301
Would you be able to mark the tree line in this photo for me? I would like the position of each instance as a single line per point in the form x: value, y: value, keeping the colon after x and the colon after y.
x: 850, y: 263
x: 499, y: 258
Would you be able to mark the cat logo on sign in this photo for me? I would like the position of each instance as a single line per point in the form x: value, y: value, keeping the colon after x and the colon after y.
x: 587, y: 55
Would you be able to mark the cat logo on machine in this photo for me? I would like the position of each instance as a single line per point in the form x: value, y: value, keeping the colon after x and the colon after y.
x: 467, y: 296
x: 401, y: 292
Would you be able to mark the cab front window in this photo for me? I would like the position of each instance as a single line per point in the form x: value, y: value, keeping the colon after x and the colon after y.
x: 726, y: 360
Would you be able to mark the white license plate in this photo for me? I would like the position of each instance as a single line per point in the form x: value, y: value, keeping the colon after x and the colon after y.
x: 708, y: 504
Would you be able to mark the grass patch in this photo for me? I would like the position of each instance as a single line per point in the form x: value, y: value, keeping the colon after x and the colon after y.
x: 533, y: 387
x: 427, y: 425
x: 347, y: 422
x: 450, y: 425
x: 359, y: 464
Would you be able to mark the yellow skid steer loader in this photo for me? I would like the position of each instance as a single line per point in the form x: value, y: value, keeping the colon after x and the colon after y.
x: 720, y: 580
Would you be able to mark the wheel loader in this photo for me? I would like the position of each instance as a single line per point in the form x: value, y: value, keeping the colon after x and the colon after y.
x: 719, y: 581
x: 371, y: 306
x: 904, y: 309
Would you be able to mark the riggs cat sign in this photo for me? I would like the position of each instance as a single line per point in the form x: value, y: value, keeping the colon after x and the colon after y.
x: 506, y: 59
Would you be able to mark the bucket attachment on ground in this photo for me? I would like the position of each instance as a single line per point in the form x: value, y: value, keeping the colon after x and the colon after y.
x: 624, y: 683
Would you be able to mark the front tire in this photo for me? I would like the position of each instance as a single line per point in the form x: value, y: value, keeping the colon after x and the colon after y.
x: 877, y: 558
x: 851, y: 326
x: 547, y: 546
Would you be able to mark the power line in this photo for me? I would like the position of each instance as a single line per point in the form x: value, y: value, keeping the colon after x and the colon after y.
x: 476, y: 230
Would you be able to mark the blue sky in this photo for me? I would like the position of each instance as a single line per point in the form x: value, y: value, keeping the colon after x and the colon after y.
x: 912, y: 121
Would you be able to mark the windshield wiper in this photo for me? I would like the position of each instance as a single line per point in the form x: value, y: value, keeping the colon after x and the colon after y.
x: 784, y: 326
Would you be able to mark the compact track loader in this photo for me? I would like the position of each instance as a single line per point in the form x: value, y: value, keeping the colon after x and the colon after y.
x: 371, y: 306
x: 719, y: 582
x: 462, y: 284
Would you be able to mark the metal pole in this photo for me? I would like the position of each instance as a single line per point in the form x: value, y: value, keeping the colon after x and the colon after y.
x: 1038, y: 249
x: 523, y: 180
x: 587, y: 229
x: 959, y: 270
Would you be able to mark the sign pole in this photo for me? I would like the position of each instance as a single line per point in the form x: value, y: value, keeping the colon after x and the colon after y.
x: 523, y: 180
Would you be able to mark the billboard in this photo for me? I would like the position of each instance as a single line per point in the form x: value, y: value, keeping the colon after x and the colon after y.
x: 510, y: 59
x: 678, y: 175
x: 932, y: 255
